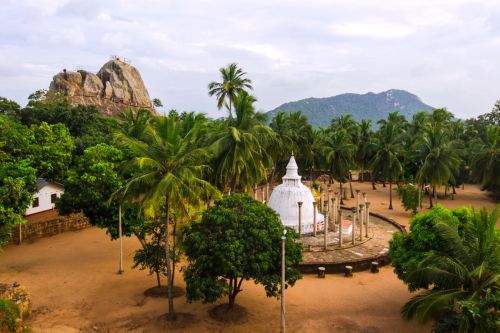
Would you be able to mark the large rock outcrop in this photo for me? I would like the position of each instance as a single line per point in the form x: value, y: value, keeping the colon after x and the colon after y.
x: 116, y: 87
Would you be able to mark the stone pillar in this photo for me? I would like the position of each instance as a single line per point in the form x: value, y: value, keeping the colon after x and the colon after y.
x: 335, y: 211
x: 325, y: 235
x: 255, y: 192
x: 314, y: 219
x: 364, y: 203
x: 354, y: 213
x: 367, y: 217
x: 264, y: 198
x: 300, y: 218
x: 357, y: 204
x: 361, y: 214
x: 340, y: 229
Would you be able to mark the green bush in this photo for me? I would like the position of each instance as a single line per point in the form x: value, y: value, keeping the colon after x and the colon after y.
x: 407, y: 250
x: 9, y: 312
x: 411, y: 197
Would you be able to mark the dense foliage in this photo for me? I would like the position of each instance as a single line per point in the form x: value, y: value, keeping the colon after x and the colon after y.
x: 153, y: 166
x: 238, y: 239
x: 455, y: 256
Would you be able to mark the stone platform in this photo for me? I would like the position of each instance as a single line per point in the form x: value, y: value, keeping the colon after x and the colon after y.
x: 359, y: 255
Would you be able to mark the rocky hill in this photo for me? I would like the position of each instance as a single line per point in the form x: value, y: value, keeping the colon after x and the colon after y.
x: 116, y: 87
x: 320, y: 111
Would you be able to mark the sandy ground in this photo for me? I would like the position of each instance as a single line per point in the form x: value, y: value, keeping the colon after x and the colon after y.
x: 74, y: 286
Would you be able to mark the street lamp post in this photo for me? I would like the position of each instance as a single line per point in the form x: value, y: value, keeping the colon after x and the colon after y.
x: 283, y: 240
x: 120, y: 271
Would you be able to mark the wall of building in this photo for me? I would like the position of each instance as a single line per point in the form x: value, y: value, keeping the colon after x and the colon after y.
x: 44, y: 198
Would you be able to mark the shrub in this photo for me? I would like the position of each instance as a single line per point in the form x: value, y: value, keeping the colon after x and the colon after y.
x: 9, y: 312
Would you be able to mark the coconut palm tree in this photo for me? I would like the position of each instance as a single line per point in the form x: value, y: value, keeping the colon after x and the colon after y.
x: 339, y: 155
x: 233, y: 83
x: 463, y: 271
x: 440, y: 158
x: 365, y: 145
x: 168, y: 170
x: 350, y: 125
x: 385, y: 163
x: 134, y: 122
x: 240, y: 148
x: 485, y: 161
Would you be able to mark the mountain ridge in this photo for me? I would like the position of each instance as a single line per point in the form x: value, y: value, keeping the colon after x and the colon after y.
x: 373, y: 106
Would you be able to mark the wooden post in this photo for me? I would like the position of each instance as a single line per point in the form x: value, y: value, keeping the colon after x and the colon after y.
x: 255, y: 192
x: 267, y: 192
x: 264, y: 198
x: 300, y: 218
x: 314, y: 218
x: 20, y: 233
x: 340, y: 229
x: 367, y: 214
x: 354, y: 213
x: 325, y: 240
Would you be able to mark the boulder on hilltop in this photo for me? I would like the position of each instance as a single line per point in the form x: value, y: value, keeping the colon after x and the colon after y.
x: 116, y: 87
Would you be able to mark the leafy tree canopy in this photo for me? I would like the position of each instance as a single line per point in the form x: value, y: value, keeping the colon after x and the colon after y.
x: 407, y: 250
x: 237, y: 239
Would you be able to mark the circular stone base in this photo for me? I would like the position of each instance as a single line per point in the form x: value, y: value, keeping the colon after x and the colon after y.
x: 375, y: 247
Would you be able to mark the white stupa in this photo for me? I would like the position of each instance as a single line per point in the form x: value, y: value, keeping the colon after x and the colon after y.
x: 285, y: 197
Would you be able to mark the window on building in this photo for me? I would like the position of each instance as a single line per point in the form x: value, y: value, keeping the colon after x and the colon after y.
x: 53, y: 197
x: 36, y: 202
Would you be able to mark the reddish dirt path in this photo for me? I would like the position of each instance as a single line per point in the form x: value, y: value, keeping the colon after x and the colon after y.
x: 74, y: 286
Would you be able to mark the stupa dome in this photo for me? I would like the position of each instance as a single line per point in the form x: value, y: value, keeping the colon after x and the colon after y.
x: 285, y: 198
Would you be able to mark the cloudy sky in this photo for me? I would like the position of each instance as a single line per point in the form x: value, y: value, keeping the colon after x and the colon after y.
x: 445, y: 52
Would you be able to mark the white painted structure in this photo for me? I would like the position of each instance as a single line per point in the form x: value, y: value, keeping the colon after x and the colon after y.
x: 45, y: 197
x: 285, y: 197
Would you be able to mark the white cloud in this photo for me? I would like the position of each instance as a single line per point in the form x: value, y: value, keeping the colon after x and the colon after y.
x: 444, y: 51
x: 377, y: 30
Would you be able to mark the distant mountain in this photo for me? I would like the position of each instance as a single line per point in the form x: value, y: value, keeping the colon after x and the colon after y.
x: 320, y: 111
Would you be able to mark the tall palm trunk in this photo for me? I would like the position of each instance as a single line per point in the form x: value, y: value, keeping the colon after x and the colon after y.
x: 341, y: 194
x: 390, y: 194
x: 350, y: 184
x: 430, y: 198
x: 171, y: 312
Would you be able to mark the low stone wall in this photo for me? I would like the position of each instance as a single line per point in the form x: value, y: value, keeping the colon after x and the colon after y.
x: 33, y: 230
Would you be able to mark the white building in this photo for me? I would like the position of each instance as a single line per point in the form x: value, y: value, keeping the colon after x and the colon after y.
x: 285, y: 198
x: 45, y: 197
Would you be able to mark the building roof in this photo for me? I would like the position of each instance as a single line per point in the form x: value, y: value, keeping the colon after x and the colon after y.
x: 42, y: 182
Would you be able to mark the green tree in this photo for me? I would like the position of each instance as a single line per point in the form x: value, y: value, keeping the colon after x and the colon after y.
x: 233, y: 83
x: 8, y: 107
x: 17, y: 182
x: 168, y: 173
x: 152, y: 254
x: 440, y: 158
x: 339, y: 154
x: 485, y: 161
x: 408, y: 250
x: 385, y: 163
x: 89, y: 186
x: 411, y: 197
x: 238, y: 239
x: 463, y: 270
x: 52, y: 149
x: 239, y: 149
